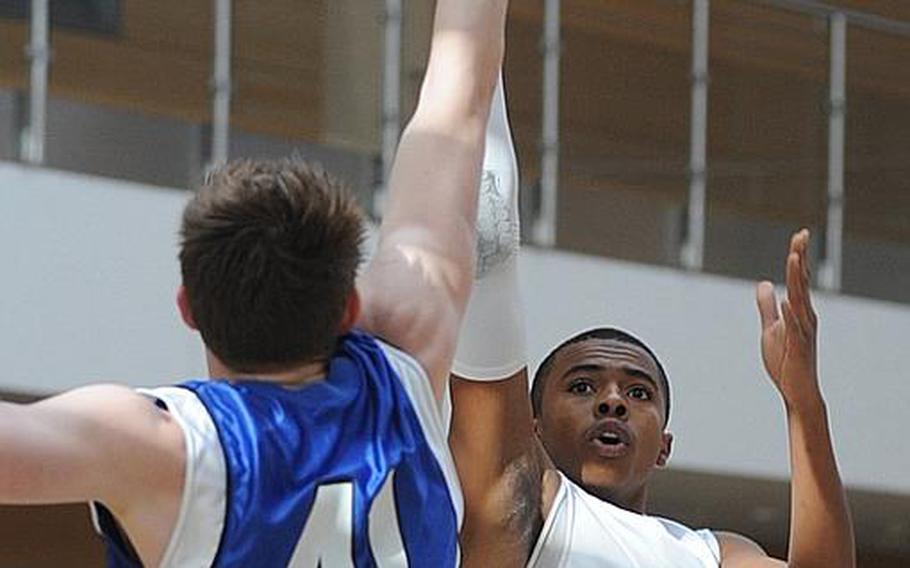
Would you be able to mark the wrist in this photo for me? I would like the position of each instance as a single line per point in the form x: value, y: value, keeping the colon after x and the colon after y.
x: 808, y: 405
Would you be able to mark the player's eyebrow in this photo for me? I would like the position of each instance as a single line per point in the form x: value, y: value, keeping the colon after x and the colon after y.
x: 639, y: 373
x: 582, y: 367
x: 631, y: 370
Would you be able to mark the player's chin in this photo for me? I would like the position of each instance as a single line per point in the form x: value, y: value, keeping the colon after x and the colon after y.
x: 605, y: 475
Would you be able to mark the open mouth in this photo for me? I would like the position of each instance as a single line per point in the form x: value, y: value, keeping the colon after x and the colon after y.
x: 610, y: 439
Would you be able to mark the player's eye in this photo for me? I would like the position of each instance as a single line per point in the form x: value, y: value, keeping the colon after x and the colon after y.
x: 581, y: 387
x: 640, y: 393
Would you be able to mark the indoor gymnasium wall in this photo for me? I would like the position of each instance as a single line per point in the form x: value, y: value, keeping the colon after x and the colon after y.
x: 90, y: 271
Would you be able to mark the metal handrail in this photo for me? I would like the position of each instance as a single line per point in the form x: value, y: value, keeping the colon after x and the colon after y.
x: 854, y: 17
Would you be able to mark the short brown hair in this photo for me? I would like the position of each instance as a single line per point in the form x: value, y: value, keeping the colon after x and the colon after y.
x: 269, y: 253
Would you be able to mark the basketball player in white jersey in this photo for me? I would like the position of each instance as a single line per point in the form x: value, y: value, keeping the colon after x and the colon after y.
x: 312, y: 443
x: 563, y: 481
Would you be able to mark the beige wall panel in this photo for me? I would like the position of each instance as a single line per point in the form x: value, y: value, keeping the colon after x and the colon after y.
x: 279, y: 73
x: 353, y: 56
x: 625, y: 99
x: 159, y: 63
x: 125, y: 74
x: 523, y: 80
x: 13, y: 65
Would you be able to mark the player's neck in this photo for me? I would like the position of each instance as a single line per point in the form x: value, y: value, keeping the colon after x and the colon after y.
x: 634, y: 500
x: 638, y: 502
x: 293, y: 377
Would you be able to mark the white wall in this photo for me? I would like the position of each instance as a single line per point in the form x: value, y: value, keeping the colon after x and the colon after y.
x: 726, y: 415
x: 88, y: 282
x: 89, y: 272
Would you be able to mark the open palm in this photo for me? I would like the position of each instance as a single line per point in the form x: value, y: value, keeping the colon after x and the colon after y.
x: 788, y: 339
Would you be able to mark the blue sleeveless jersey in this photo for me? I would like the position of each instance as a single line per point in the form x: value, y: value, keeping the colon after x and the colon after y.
x: 331, y: 472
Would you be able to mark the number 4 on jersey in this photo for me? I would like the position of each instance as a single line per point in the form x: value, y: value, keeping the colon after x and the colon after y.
x: 327, y: 538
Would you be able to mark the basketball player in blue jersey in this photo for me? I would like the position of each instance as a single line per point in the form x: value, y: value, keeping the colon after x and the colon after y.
x: 560, y: 478
x: 318, y: 440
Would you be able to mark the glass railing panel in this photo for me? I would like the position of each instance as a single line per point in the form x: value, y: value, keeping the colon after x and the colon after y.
x: 625, y: 104
x: 129, y: 91
x: 14, y: 73
x: 877, y: 178
x: 767, y: 136
x: 307, y: 78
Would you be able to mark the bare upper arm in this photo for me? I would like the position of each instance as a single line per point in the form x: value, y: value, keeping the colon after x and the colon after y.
x: 409, y: 301
x: 500, y: 469
x: 415, y: 288
x: 100, y: 442
x: 740, y: 552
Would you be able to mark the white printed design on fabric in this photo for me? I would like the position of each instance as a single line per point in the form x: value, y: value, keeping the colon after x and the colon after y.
x: 327, y: 536
x: 497, y: 224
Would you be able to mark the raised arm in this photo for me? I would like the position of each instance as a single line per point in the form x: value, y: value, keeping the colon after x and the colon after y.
x: 821, y: 532
x: 415, y: 289
x: 492, y: 436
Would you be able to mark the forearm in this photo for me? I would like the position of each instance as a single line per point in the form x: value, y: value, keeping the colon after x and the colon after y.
x: 442, y: 146
x: 821, y: 532
x: 465, y: 57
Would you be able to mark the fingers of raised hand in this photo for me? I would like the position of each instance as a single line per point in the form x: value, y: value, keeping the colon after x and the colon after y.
x: 767, y: 304
x: 796, y: 242
x: 802, y: 320
x: 802, y: 299
x: 791, y: 323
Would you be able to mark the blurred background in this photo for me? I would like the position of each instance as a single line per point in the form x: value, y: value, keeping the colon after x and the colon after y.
x: 668, y: 149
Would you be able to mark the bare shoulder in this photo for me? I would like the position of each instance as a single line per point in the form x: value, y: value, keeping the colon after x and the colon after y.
x: 109, y: 413
x: 99, y: 401
x: 112, y: 437
x: 735, y: 541
x: 738, y: 550
x: 137, y: 458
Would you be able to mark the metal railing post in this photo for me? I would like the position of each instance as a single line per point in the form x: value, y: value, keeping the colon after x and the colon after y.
x: 693, y: 250
x: 832, y: 267
x: 221, y: 83
x: 391, y: 97
x: 38, y: 52
x: 544, y: 226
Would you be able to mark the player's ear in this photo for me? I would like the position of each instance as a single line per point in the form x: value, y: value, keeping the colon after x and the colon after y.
x: 666, y: 445
x: 183, y: 305
x: 352, y: 309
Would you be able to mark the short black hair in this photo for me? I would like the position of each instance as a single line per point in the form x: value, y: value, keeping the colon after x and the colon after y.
x: 605, y: 333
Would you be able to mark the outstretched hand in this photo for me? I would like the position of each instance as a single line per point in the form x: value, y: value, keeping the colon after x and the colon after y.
x: 788, y: 338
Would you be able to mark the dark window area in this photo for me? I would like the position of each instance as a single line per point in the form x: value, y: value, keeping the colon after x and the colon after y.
x: 100, y: 16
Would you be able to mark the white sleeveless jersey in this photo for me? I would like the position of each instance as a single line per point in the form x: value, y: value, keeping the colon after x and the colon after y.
x: 583, y: 531
x: 201, y: 535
